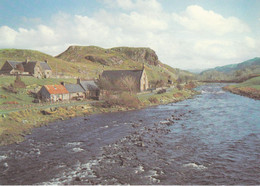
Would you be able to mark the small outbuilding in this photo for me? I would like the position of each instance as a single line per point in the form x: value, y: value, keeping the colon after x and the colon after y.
x: 53, y: 93
x: 76, y: 92
x: 90, y: 87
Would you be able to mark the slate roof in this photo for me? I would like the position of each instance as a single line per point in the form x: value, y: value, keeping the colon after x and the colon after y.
x: 29, y: 67
x: 56, y: 89
x: 73, y: 88
x: 45, y: 66
x: 89, y: 85
x: 114, y: 75
x: 14, y: 63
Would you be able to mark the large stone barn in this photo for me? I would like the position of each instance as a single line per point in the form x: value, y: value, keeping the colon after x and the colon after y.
x: 53, y: 93
x: 33, y: 68
x: 136, y: 78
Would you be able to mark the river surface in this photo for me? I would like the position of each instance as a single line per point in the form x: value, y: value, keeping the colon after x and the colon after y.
x: 211, y: 139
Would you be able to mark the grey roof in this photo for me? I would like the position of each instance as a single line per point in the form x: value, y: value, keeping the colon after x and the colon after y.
x: 89, y: 85
x: 45, y: 66
x: 73, y: 88
x: 114, y: 75
x: 14, y: 63
x: 29, y: 67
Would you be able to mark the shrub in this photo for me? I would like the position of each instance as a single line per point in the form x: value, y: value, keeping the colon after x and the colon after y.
x: 179, y: 87
x: 124, y: 99
x: 18, y: 83
x: 10, y: 88
x: 11, y: 102
x: 153, y: 100
x: 129, y: 100
x: 161, y: 91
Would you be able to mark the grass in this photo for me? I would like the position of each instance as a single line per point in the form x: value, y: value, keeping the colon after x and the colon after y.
x: 23, y: 97
x: 249, y: 88
x: 252, y: 83
x: 173, y: 95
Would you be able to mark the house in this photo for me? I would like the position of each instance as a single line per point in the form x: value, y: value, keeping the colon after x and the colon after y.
x: 53, y: 93
x: 76, y: 92
x: 33, y: 68
x: 139, y: 78
x: 91, y: 88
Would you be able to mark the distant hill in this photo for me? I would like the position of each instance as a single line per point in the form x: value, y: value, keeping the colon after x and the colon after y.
x: 89, y: 61
x: 233, y: 71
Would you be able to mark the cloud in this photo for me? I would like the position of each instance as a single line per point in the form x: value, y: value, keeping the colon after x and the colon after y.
x: 7, y: 36
x: 195, y: 38
x: 195, y: 18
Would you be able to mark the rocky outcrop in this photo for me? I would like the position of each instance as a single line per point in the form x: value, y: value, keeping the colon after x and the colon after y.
x: 109, y: 61
x: 113, y: 56
x: 142, y: 55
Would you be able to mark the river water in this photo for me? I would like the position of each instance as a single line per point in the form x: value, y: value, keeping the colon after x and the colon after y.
x: 211, y: 139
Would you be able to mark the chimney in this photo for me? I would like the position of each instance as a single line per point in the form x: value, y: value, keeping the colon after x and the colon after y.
x: 46, y: 60
x: 78, y: 80
x: 62, y: 83
x: 26, y: 61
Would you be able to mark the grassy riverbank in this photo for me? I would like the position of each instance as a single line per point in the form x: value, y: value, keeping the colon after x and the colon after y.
x: 15, y: 125
x: 249, y: 88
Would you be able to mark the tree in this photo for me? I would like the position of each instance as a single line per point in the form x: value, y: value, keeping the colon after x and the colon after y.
x: 105, y: 84
x: 20, y: 67
x: 128, y: 83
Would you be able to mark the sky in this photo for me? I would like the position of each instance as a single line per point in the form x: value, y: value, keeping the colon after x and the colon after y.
x: 186, y: 34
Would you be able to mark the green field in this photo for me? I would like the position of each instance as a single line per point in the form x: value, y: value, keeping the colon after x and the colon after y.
x: 22, y: 97
x: 252, y: 83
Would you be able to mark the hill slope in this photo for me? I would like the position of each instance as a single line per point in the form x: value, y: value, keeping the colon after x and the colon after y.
x: 233, y: 71
x: 99, y: 59
x: 89, y: 61
x: 57, y: 65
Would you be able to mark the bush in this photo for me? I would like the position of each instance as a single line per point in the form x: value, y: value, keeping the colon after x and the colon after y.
x: 161, y: 91
x: 10, y: 88
x: 124, y: 99
x: 179, y: 87
x: 11, y: 103
x: 18, y: 83
x: 153, y: 100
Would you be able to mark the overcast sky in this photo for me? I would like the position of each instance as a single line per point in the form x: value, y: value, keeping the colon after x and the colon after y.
x: 186, y: 34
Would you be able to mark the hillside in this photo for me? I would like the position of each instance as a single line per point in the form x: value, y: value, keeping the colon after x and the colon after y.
x: 58, y: 66
x: 99, y: 59
x: 233, y: 72
x: 89, y: 61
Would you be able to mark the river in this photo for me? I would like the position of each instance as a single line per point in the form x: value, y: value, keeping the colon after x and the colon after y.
x: 211, y: 139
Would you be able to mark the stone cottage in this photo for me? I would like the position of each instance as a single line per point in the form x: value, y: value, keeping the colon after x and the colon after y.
x: 138, y: 76
x: 91, y: 88
x: 76, y: 92
x: 33, y: 68
x: 53, y: 93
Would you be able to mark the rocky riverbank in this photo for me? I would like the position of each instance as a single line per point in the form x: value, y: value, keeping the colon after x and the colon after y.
x: 244, y: 91
x: 16, y: 125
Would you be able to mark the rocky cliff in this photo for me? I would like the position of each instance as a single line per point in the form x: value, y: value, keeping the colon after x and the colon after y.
x: 113, y: 56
